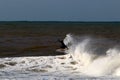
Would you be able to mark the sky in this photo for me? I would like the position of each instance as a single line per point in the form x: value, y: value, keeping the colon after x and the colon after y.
x: 59, y: 10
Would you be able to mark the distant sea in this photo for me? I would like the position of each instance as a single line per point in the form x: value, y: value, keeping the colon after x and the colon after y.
x: 27, y: 38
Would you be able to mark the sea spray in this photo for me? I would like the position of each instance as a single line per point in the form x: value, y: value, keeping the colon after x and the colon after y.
x: 97, y: 55
x: 80, y: 48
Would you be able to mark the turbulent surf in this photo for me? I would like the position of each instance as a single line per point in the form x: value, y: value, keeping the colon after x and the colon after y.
x: 99, y: 57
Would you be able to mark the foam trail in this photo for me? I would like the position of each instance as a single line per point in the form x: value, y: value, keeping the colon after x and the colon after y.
x: 97, y: 56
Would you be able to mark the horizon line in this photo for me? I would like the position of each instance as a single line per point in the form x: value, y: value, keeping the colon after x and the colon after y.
x: 55, y: 21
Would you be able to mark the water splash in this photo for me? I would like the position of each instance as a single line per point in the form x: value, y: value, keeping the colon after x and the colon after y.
x: 96, y: 55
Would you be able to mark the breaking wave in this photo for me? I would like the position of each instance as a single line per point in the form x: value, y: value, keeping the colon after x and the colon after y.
x: 98, y: 57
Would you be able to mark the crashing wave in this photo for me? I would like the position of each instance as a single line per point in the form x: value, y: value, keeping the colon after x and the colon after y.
x: 96, y: 55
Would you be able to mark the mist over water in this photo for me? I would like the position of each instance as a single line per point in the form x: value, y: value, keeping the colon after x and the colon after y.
x: 99, y: 57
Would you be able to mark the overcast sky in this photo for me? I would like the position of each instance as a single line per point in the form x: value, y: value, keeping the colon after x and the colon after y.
x: 60, y: 10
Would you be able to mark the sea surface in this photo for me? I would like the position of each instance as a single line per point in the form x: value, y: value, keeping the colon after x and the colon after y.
x: 18, y: 39
x: 28, y: 50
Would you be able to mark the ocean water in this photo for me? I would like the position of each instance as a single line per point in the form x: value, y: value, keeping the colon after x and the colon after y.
x: 28, y: 50
x: 41, y: 38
